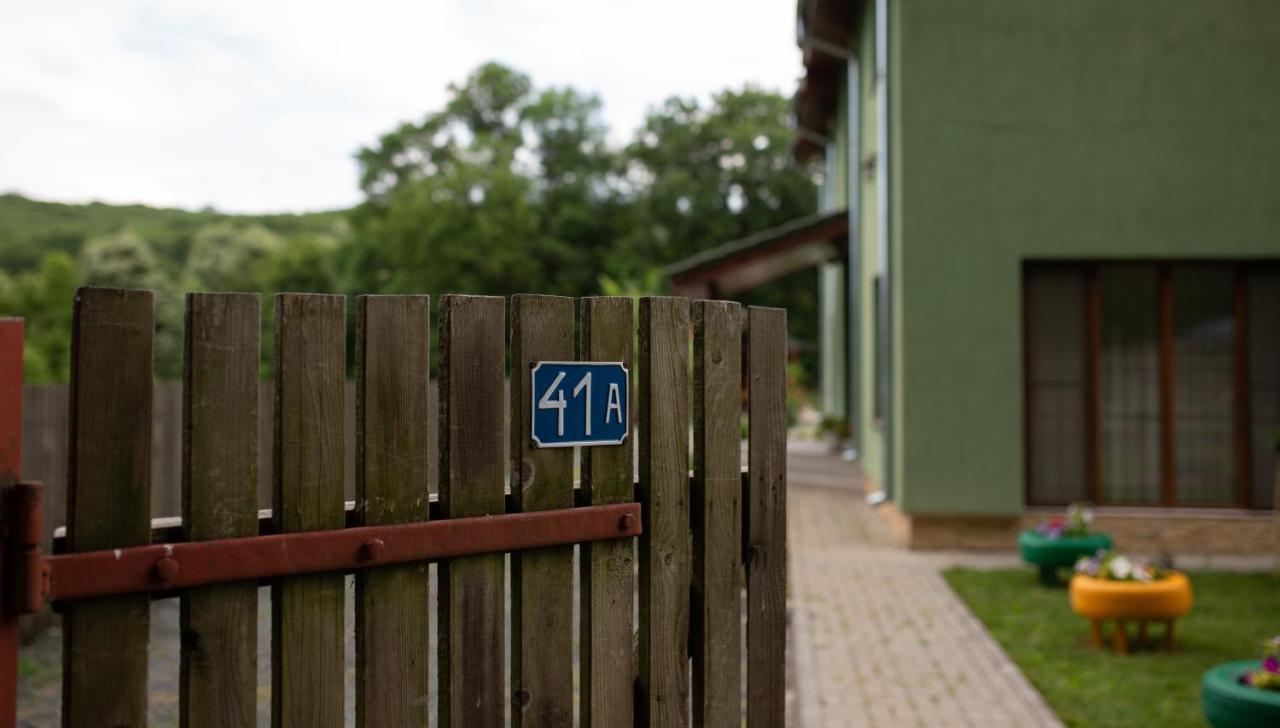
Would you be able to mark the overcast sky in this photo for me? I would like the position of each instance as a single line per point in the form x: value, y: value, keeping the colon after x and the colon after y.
x: 259, y: 105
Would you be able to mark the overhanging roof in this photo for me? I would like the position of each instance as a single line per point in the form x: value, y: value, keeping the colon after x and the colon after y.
x: 765, y: 256
x: 824, y: 33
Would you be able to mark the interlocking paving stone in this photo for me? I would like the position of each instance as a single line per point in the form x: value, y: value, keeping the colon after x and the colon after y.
x: 888, y: 643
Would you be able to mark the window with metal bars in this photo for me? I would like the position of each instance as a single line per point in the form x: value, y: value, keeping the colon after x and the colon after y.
x: 1152, y: 383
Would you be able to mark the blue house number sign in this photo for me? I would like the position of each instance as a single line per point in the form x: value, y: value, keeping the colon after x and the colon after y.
x: 579, y: 403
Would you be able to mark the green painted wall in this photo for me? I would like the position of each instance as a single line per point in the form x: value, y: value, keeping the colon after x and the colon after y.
x: 834, y: 353
x: 833, y: 330
x: 871, y: 441
x: 1049, y: 129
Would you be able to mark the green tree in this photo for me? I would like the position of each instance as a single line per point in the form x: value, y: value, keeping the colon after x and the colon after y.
x: 308, y: 263
x: 119, y: 260
x: 44, y: 298
x: 229, y: 257
x: 706, y: 174
x: 506, y: 189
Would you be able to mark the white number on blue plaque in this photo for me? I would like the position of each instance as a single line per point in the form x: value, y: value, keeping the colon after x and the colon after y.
x: 579, y: 403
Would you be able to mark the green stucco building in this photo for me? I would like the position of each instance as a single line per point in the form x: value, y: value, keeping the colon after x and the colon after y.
x: 1049, y: 260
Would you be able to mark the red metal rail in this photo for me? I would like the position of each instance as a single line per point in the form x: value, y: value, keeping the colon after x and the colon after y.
x: 36, y: 579
x: 10, y: 468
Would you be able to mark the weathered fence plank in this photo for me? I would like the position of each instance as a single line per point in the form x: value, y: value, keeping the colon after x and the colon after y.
x: 665, y: 546
x: 471, y: 589
x: 109, y: 501
x: 307, y: 611
x: 767, y: 516
x: 716, y: 621
x: 392, y: 487
x: 541, y: 479
x: 219, y: 669
x: 607, y: 567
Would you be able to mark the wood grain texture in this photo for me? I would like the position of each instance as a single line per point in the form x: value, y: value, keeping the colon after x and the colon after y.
x: 767, y: 517
x: 472, y: 589
x: 219, y: 668
x: 392, y: 487
x: 716, y: 619
x: 109, y: 501
x: 607, y: 642
x: 307, y: 611
x: 665, y: 547
x: 542, y: 479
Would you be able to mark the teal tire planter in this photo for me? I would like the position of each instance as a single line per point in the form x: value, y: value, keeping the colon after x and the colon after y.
x: 1228, y: 704
x: 1057, y: 553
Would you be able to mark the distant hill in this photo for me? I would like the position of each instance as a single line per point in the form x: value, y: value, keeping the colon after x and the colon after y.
x: 30, y: 228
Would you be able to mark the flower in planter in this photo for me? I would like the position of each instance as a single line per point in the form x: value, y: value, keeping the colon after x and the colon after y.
x: 1115, y: 567
x: 1080, y: 516
x: 1268, y: 678
x: 1075, y: 524
x: 1121, y: 568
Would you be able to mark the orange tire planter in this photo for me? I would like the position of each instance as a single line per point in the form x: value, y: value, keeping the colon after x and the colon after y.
x: 1163, y: 600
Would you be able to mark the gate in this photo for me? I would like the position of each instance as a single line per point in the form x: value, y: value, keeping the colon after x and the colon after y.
x: 669, y: 563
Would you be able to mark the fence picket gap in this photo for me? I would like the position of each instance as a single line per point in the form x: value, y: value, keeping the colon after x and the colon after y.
x: 109, y: 501
x: 608, y: 567
x: 307, y: 642
x: 665, y: 546
x: 767, y: 516
x: 471, y: 589
x: 716, y: 621
x: 392, y: 487
x: 541, y: 479
x: 219, y: 670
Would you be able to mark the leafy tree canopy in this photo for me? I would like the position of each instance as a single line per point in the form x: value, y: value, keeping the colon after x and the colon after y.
x: 508, y: 187
x: 502, y: 190
x: 229, y: 257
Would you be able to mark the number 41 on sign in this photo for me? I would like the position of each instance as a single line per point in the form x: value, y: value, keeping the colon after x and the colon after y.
x: 579, y: 403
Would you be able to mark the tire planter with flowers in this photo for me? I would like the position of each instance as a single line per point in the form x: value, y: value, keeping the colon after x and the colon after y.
x: 1110, y: 587
x: 1052, y: 554
x: 1059, y: 542
x: 1228, y: 702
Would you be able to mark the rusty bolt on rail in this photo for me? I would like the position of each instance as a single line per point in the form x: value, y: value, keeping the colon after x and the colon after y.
x: 627, y: 522
x: 166, y: 569
x: 370, y: 550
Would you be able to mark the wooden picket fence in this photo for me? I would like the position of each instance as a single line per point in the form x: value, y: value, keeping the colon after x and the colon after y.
x: 660, y: 636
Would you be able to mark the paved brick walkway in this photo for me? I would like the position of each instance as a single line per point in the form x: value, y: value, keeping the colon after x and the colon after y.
x: 878, y: 637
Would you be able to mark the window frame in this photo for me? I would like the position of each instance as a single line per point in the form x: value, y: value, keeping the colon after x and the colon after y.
x: 1242, y: 434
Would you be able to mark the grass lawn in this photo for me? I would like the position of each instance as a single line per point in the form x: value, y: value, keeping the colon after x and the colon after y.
x: 1090, y: 686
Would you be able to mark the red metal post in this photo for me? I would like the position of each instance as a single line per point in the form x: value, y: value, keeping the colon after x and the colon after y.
x: 10, y: 470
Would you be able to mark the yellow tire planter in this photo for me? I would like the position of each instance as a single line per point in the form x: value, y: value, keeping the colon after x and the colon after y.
x: 1162, y: 600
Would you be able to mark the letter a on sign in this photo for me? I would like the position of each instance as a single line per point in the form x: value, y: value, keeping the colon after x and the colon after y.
x: 615, y: 404
x: 579, y: 403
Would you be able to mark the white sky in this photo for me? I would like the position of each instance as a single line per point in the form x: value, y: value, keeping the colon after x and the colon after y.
x: 259, y: 105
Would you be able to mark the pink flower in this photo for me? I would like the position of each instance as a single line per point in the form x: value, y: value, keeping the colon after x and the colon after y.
x: 1271, y: 664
